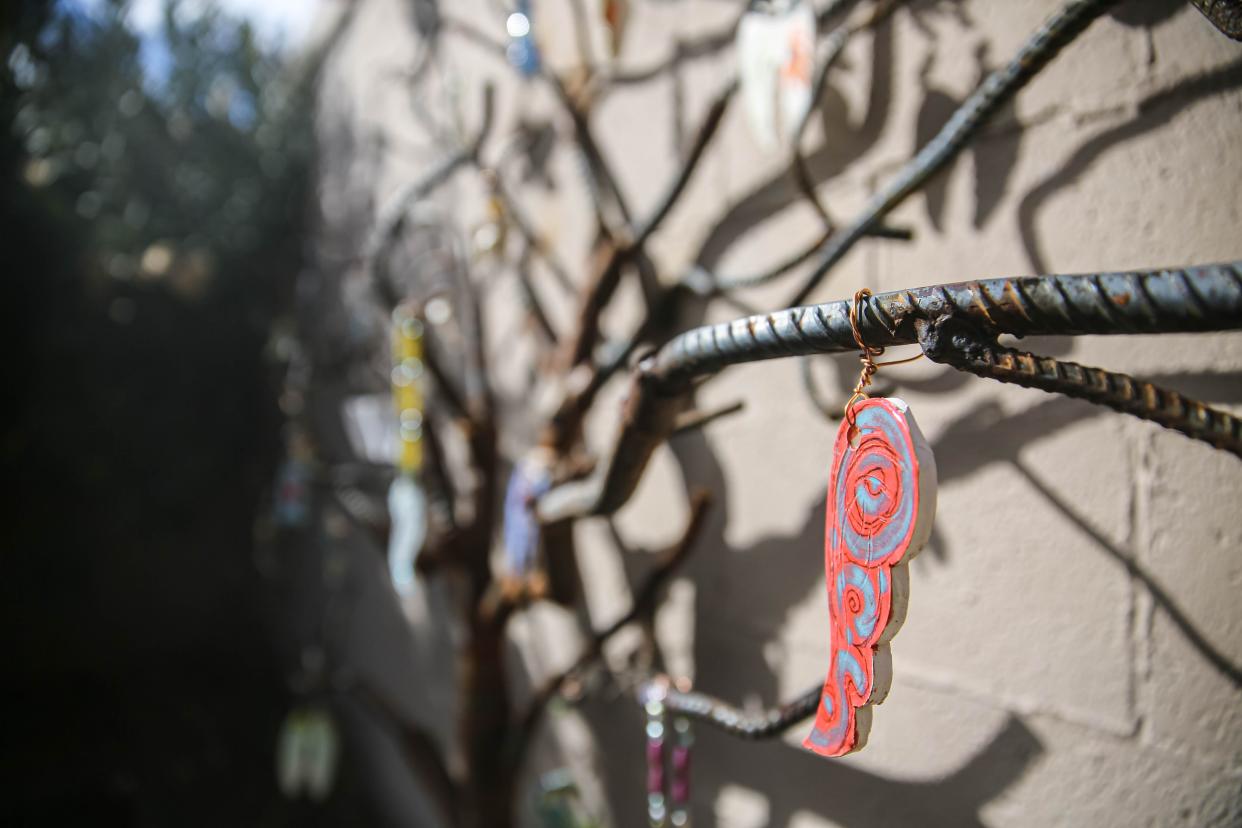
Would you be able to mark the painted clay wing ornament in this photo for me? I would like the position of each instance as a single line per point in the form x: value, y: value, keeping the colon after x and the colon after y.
x: 775, y: 52
x: 407, y: 509
x: 881, y: 502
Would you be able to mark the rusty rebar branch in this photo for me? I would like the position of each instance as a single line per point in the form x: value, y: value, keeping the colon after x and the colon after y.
x: 1206, y: 298
x: 966, y: 348
x: 766, y: 724
x: 1225, y: 15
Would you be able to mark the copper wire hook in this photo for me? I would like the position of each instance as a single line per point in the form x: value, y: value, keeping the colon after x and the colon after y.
x: 867, y: 355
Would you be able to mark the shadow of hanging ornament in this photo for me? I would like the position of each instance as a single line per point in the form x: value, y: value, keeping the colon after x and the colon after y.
x: 522, y: 52
x: 881, y: 504
x: 775, y: 56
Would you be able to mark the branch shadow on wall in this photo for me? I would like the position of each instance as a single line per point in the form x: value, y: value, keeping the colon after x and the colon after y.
x: 840, y: 791
x: 777, y: 574
x: 780, y: 572
x: 986, y: 435
x: 841, y: 147
x: 1153, y: 112
x: 994, y: 154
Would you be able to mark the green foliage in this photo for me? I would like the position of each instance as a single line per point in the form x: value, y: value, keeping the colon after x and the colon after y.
x: 154, y: 205
x: 189, y: 174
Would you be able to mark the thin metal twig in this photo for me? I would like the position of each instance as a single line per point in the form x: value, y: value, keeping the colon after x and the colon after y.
x: 965, y: 347
x: 643, y: 605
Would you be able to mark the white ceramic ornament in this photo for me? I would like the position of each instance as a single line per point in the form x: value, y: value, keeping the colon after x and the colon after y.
x: 307, y: 748
x: 775, y: 54
x: 407, y: 508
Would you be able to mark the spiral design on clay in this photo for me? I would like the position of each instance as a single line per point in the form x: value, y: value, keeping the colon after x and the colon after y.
x: 873, y: 510
x: 873, y: 490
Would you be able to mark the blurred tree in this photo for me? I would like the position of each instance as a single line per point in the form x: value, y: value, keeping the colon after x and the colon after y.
x: 154, y: 213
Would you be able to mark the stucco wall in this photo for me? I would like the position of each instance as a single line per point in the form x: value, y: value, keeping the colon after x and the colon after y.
x: 1070, y: 654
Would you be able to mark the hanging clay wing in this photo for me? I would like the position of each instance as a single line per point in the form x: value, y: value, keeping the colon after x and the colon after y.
x: 289, y: 753
x: 320, y: 751
x: 881, y: 502
x: 775, y: 54
x: 532, y: 476
x: 407, y: 509
x: 797, y: 66
x: 307, y: 748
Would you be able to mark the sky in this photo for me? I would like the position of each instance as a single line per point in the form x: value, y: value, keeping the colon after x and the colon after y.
x: 284, y: 22
x: 276, y: 21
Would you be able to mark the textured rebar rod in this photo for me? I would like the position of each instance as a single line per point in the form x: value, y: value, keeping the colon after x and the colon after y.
x: 1225, y: 15
x: 998, y: 88
x: 966, y: 348
x: 1159, y: 301
x: 1203, y: 298
x: 763, y: 725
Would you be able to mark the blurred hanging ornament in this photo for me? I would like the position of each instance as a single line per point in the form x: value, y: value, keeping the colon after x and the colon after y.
x: 293, y: 481
x: 307, y: 748
x: 616, y: 14
x: 668, y: 749
x: 775, y: 52
x: 531, y: 477
x: 652, y: 700
x: 370, y: 426
x: 559, y: 802
x: 522, y: 51
x: 679, y: 787
x: 292, y: 506
x: 407, y: 509
x: 407, y: 504
x: 490, y: 236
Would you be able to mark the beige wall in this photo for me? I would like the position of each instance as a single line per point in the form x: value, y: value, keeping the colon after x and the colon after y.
x: 1041, y: 678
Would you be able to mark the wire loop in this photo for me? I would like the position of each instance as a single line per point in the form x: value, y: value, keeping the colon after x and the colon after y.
x: 867, y: 355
